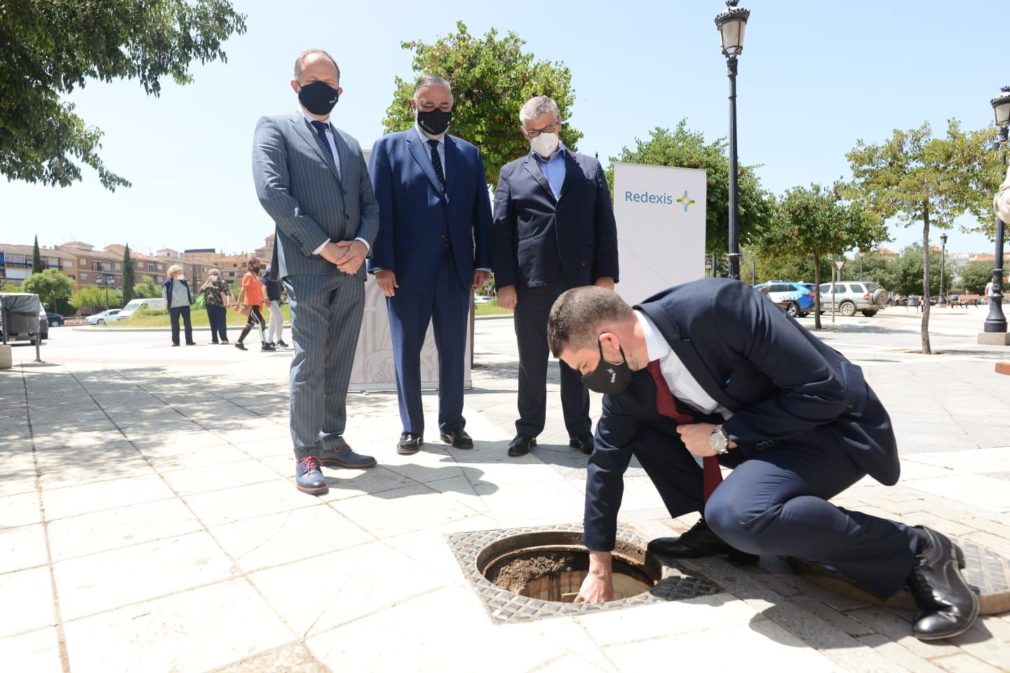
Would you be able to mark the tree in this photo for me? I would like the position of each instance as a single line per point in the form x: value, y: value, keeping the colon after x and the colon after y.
x: 50, y: 285
x: 92, y: 299
x: 688, y: 149
x: 914, y: 177
x: 50, y: 47
x: 491, y: 78
x: 814, y: 222
x: 975, y: 275
x: 128, y: 277
x: 146, y: 289
x: 37, y: 257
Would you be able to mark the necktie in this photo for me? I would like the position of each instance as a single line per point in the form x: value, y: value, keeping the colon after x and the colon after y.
x: 436, y: 161
x: 320, y: 128
x: 667, y: 406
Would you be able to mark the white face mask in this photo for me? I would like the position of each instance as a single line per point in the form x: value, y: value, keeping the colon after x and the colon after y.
x: 545, y: 144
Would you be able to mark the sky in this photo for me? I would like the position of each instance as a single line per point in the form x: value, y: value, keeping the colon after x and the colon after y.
x: 813, y: 78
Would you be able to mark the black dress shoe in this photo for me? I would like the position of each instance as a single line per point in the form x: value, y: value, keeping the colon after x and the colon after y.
x: 947, y: 605
x: 457, y: 438
x: 697, y: 542
x: 521, y: 445
x: 409, y: 443
x: 583, y: 442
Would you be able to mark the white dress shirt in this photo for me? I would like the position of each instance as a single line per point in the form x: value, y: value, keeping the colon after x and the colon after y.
x: 682, y: 384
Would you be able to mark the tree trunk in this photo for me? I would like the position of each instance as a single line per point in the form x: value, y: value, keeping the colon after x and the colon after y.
x: 817, y: 291
x: 925, y: 279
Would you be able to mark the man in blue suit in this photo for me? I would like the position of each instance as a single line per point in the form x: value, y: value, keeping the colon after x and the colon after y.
x: 554, y: 229
x: 712, y: 369
x: 432, y: 250
x: 311, y: 179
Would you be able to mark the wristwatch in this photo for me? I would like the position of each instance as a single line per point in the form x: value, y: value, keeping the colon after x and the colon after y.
x: 718, y: 441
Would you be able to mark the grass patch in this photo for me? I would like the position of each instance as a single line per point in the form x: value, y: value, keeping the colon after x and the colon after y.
x: 198, y: 316
x: 491, y: 308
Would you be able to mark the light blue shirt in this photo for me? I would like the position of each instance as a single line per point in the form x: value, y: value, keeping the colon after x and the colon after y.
x: 427, y: 148
x: 553, y: 168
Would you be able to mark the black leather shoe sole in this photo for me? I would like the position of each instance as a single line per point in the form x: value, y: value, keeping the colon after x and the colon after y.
x: 579, y: 444
x: 456, y: 441
x: 517, y: 449
x: 359, y: 465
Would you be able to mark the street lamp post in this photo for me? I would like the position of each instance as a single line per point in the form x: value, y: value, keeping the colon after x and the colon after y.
x: 996, y: 321
x: 943, y: 258
x: 731, y: 25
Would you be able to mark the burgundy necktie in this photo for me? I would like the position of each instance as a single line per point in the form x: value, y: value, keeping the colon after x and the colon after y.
x: 666, y: 405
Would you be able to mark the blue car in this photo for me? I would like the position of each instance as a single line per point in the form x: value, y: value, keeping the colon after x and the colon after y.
x: 796, y: 298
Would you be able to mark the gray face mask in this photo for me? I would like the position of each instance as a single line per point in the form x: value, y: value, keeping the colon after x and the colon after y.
x: 607, y: 378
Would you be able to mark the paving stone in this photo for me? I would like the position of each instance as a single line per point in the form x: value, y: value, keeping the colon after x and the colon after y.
x: 964, y: 663
x: 245, y: 502
x: 189, y: 632
x: 32, y: 592
x: 22, y: 547
x: 20, y: 509
x: 293, y: 658
x: 37, y: 651
x: 94, y: 497
x: 898, y: 654
x: 899, y: 630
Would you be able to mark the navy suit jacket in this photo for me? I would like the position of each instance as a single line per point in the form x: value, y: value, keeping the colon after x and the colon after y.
x: 534, y: 232
x: 414, y: 212
x: 782, y: 384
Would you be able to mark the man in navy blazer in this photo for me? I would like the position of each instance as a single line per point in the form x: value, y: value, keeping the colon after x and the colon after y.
x: 311, y: 179
x: 755, y: 390
x: 554, y: 229
x: 432, y: 250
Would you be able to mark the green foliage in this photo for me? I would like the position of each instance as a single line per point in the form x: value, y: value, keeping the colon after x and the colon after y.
x: 688, y: 149
x: 146, y: 289
x: 975, y: 275
x: 906, y: 272
x: 50, y: 285
x: 37, y: 257
x: 128, y: 275
x: 491, y: 78
x: 50, y: 47
x: 92, y: 299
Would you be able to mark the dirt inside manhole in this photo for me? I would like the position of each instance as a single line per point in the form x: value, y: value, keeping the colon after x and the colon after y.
x: 552, y: 567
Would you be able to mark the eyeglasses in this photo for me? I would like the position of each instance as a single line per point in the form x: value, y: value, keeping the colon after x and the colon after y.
x: 533, y: 133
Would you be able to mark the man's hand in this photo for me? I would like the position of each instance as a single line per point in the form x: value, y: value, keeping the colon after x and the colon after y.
x: 479, y: 278
x: 352, y: 255
x: 387, y: 282
x: 598, y: 587
x: 507, y: 297
x: 695, y: 437
x: 605, y: 282
x: 331, y: 253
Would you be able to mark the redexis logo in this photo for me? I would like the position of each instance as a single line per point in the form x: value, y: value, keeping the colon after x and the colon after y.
x: 684, y: 200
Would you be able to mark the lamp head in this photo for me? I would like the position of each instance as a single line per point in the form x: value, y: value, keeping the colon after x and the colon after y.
x: 1001, y: 106
x: 731, y: 25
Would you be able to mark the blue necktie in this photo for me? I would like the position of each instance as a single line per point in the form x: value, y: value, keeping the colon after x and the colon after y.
x: 436, y: 162
x: 320, y: 128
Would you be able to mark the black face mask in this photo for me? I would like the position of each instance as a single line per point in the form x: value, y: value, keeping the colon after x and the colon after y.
x: 434, y: 122
x: 607, y: 378
x: 318, y: 97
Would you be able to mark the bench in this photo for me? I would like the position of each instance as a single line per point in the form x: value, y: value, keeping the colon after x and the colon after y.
x: 964, y: 300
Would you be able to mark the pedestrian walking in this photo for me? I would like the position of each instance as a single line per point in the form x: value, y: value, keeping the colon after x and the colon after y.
x: 175, y: 292
x: 275, y: 331
x: 217, y: 297
x: 250, y: 303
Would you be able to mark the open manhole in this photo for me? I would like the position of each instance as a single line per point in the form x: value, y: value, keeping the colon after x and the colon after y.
x: 529, y: 573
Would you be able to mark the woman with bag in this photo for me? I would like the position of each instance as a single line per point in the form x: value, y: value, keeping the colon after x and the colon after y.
x: 250, y: 302
x: 175, y: 292
x: 216, y: 297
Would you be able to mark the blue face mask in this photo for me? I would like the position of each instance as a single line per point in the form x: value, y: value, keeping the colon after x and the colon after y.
x: 318, y: 97
x: 607, y: 378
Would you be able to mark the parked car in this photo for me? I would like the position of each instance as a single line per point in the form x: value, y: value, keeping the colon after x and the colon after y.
x: 54, y: 319
x: 18, y: 330
x: 796, y: 298
x: 852, y: 296
x: 111, y: 315
x: 481, y: 299
x: 145, y: 304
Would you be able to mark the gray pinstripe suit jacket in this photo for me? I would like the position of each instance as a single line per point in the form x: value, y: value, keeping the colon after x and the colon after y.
x: 297, y: 183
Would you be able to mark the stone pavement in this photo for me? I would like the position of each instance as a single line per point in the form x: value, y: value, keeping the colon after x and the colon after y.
x: 148, y: 521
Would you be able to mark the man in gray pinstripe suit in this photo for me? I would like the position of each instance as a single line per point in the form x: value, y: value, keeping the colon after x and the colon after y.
x: 311, y: 179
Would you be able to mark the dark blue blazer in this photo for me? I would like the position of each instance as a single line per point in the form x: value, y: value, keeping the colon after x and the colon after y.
x: 414, y: 212
x: 535, y: 233
x: 782, y: 384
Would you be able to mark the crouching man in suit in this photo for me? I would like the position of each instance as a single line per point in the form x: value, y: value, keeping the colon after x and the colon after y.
x: 712, y: 369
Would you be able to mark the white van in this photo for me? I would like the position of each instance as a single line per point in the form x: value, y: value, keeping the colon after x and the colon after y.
x: 146, y: 304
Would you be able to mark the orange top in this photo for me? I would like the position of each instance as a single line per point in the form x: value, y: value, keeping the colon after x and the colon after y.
x: 252, y: 290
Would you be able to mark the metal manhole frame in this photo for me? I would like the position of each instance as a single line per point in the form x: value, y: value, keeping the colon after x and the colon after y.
x: 677, y: 582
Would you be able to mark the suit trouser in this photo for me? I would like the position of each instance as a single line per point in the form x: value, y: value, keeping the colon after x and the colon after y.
x: 530, y: 321
x: 275, y: 331
x: 174, y: 314
x: 326, y: 316
x: 217, y: 316
x: 446, y: 306
x: 776, y: 503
